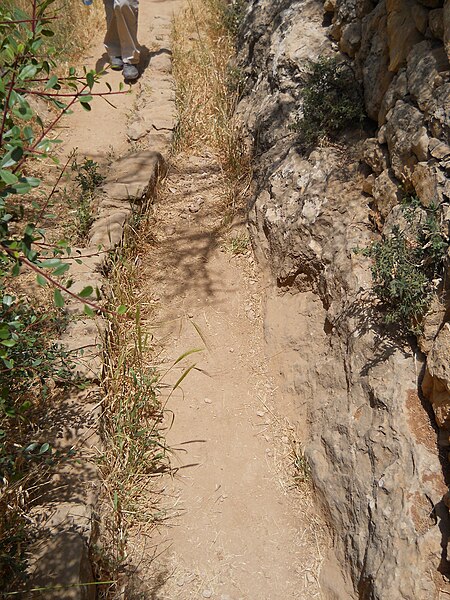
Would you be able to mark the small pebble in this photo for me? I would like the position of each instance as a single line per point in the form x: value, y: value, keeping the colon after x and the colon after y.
x: 231, y: 350
x: 285, y: 439
x: 180, y: 582
x: 207, y: 593
x: 208, y: 401
x: 260, y: 413
x: 191, y: 315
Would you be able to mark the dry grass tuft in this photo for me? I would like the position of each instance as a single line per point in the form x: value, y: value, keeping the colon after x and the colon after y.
x: 133, y: 454
x: 207, y: 90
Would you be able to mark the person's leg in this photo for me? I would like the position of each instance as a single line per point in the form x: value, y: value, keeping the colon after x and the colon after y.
x: 112, y: 40
x: 126, y: 15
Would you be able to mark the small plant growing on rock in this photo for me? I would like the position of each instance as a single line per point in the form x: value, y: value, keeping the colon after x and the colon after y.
x: 331, y: 101
x: 407, y: 269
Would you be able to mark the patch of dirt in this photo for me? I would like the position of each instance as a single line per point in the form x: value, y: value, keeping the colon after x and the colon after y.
x: 239, y: 526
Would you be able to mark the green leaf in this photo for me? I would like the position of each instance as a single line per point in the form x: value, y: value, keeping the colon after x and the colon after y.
x: 50, y: 263
x: 51, y: 82
x: 41, y: 280
x: 31, y: 447
x: 28, y: 72
x: 44, y: 448
x: 21, y: 188
x: 32, y: 181
x: 86, y: 292
x: 88, y: 311
x: 8, y: 343
x: 58, y: 298
x: 122, y: 309
x: 8, y: 177
x: 86, y: 106
x: 61, y: 269
x: 90, y: 79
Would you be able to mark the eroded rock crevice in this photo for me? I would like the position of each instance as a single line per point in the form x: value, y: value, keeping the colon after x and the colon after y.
x: 378, y: 461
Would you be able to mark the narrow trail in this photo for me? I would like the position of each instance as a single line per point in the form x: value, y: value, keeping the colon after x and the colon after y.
x: 236, y: 526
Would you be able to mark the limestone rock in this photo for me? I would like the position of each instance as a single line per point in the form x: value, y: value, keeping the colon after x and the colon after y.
x: 368, y: 184
x: 420, y: 18
x: 373, y: 57
x: 425, y: 183
x: 401, y: 31
x: 436, y: 23
x: 401, y: 128
x: 424, y: 65
x: 64, y: 562
x: 438, y: 149
x: 420, y: 144
x: 446, y: 23
x: 375, y: 155
x: 136, y: 130
x: 431, y: 3
x: 133, y: 177
x: 372, y: 451
x: 397, y: 90
x: 386, y: 192
x: 431, y: 324
x: 436, y: 382
x: 350, y: 38
x: 438, y: 113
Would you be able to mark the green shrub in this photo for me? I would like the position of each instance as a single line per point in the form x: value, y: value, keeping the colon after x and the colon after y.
x: 406, y: 269
x: 331, y: 101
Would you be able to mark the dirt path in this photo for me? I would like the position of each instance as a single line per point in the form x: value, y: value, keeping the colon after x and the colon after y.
x: 102, y: 132
x: 237, y: 526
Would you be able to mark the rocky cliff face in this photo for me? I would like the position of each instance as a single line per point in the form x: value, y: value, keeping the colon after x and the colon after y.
x: 378, y: 460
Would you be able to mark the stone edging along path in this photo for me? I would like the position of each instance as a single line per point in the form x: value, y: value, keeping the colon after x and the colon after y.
x: 66, y: 515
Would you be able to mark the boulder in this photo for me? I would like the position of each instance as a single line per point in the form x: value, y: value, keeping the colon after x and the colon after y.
x: 386, y: 192
x: 436, y: 23
x: 420, y: 17
x: 375, y: 155
x: 373, y: 59
x: 402, y: 33
x: 350, y: 39
x: 424, y: 65
x: 438, y: 113
x: 404, y: 121
x: 425, y: 182
x: 397, y: 90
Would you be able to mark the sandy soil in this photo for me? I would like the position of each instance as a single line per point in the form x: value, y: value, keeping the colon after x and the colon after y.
x: 238, y: 526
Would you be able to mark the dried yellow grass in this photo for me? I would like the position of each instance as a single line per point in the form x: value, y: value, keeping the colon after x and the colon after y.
x: 207, y: 89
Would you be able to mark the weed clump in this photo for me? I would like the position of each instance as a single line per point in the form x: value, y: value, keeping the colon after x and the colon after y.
x: 331, y: 101
x: 88, y: 179
x: 406, y: 269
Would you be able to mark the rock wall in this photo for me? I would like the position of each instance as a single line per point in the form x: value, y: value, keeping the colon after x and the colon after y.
x: 377, y: 465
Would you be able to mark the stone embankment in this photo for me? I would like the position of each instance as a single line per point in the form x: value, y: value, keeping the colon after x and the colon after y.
x: 66, y: 516
x: 377, y: 459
